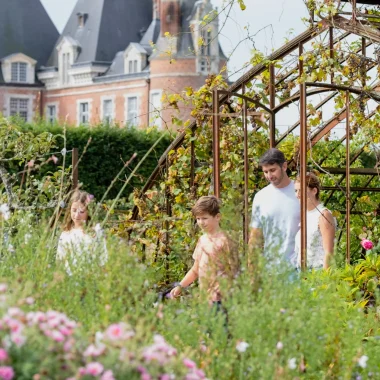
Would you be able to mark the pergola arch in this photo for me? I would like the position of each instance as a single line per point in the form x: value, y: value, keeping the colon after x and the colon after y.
x: 306, y: 89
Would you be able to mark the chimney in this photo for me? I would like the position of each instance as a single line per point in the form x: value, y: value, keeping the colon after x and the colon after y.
x: 170, y: 16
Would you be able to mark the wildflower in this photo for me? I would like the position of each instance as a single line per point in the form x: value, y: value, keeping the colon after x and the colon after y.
x: 27, y: 237
x: 57, y: 336
x: 366, y: 244
x: 362, y: 362
x: 54, y: 159
x: 94, y: 369
x: 18, y: 339
x: 118, y: 331
x: 3, y: 355
x: 30, y: 164
x: 29, y: 300
x: 98, y: 229
x: 3, y: 288
x: 242, y: 346
x: 94, y: 351
x: 108, y: 375
x: 279, y: 346
x: 292, y: 363
x: 6, y: 373
x: 189, y: 363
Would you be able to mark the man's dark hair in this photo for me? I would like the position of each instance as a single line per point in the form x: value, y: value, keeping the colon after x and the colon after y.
x: 272, y: 156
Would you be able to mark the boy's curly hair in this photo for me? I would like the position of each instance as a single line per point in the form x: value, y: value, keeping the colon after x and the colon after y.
x: 207, y: 204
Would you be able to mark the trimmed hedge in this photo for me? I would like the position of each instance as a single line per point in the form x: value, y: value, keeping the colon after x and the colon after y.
x: 109, y: 149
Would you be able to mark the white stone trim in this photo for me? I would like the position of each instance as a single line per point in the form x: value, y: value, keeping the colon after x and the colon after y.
x: 154, y: 116
x: 105, y: 89
x: 31, y: 98
x: 102, y: 99
x: 126, y: 97
x: 47, y: 105
x: 6, y: 67
x: 189, y: 74
x: 79, y: 101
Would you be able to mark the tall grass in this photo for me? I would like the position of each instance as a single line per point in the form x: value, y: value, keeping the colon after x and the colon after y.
x: 296, y: 326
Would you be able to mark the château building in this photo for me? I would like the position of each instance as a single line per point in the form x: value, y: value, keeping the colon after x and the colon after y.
x: 112, y: 62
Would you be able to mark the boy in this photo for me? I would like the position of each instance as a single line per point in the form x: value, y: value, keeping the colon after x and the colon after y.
x: 213, y: 255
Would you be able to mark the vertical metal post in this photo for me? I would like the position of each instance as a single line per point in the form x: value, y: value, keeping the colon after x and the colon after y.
x: 74, y: 163
x: 303, y: 163
x: 192, y: 163
x: 348, y: 200
x: 272, y: 104
x: 166, y: 224
x: 246, y: 168
x: 215, y: 142
x: 354, y: 10
x: 363, y: 66
x: 331, y: 40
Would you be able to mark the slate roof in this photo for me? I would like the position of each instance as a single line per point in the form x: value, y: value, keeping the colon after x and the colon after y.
x: 25, y: 27
x: 110, y: 26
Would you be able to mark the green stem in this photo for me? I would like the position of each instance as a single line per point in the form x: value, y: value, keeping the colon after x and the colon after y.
x: 130, y: 177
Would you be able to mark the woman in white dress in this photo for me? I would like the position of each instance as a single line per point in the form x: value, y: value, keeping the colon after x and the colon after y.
x: 321, y: 227
x: 76, y: 246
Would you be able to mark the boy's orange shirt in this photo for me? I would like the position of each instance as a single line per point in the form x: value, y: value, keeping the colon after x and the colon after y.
x: 214, y: 257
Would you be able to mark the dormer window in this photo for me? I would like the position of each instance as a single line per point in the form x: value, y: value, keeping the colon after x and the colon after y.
x: 82, y: 17
x: 132, y: 66
x: 18, y: 72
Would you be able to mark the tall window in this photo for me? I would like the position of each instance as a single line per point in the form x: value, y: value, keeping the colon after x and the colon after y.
x: 65, y: 67
x: 51, y: 113
x: 132, y: 111
x: 107, y: 110
x: 132, y: 66
x: 84, y: 114
x: 206, y: 46
x: 155, y: 108
x: 19, y: 107
x: 18, y: 72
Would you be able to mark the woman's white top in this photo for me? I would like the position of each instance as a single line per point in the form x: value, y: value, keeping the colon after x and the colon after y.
x: 76, y: 248
x: 314, y: 249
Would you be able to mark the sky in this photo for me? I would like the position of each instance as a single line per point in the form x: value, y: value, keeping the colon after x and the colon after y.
x: 264, y: 25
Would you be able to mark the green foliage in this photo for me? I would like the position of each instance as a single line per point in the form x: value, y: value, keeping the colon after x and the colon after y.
x: 109, y: 148
x: 302, y: 326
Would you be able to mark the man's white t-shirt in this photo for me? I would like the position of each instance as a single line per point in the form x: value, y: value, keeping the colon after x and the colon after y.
x: 276, y: 211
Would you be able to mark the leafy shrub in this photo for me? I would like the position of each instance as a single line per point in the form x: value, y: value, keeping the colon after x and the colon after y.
x: 110, y: 148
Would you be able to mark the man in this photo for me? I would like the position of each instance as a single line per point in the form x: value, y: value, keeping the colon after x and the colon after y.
x: 275, y: 211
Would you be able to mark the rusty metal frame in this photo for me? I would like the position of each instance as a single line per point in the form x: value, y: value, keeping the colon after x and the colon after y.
x: 221, y: 97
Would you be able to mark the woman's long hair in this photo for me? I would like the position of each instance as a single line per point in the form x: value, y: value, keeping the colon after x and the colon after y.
x: 78, y: 196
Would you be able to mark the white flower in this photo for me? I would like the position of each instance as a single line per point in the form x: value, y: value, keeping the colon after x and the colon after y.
x: 11, y: 248
x: 362, y: 362
x: 242, y: 346
x: 98, y: 337
x: 62, y: 204
x: 292, y: 363
x: 98, y: 229
x: 64, y: 151
x: 4, y: 210
x: 279, y: 346
x: 27, y: 237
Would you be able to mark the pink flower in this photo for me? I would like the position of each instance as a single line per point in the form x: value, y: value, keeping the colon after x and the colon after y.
x: 68, y: 344
x: 3, y: 288
x: 118, y: 331
x: 94, y: 369
x: 57, y: 336
x: 6, y: 373
x: 29, y: 300
x: 189, y: 363
x: 108, y: 375
x: 54, y: 159
x: 94, y: 351
x: 18, y: 339
x: 30, y: 164
x: 3, y: 355
x: 145, y: 376
x: 366, y: 244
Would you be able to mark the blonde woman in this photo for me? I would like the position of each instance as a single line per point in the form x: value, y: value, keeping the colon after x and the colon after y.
x: 321, y: 227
